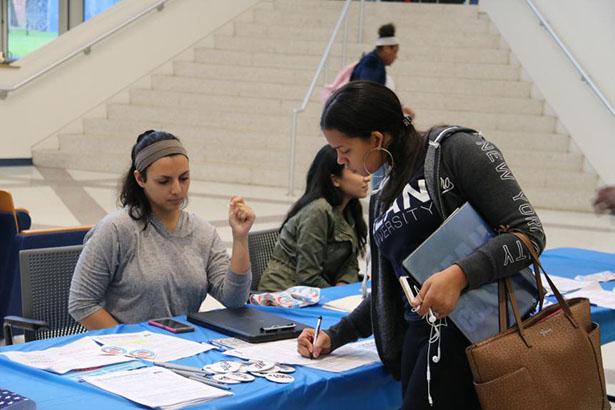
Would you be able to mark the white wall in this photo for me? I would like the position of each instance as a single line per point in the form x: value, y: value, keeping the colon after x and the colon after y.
x: 588, y: 29
x: 41, y: 108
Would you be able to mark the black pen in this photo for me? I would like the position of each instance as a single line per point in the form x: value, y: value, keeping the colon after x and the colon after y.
x: 316, y: 333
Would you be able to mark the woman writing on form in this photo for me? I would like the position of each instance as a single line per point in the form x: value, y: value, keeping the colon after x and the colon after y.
x: 152, y: 259
x: 364, y: 122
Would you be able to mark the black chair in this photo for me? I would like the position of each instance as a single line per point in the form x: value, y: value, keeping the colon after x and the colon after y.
x: 46, y: 275
x: 261, y: 244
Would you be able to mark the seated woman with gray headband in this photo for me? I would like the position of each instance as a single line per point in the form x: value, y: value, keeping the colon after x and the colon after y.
x: 152, y: 259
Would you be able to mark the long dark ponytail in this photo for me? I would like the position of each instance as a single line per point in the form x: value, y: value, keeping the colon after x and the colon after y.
x: 320, y: 185
x: 131, y: 194
x: 362, y: 107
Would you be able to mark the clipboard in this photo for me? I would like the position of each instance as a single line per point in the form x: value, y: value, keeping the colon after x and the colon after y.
x: 251, y: 325
x: 476, y: 314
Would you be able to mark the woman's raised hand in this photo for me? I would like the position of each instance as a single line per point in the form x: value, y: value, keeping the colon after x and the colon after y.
x: 240, y: 217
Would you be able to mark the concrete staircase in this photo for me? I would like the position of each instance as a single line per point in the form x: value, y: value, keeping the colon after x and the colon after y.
x: 230, y: 98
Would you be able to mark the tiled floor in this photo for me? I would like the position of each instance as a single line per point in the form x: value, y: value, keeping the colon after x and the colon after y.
x: 63, y: 198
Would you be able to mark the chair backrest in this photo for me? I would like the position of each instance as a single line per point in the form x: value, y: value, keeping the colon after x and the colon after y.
x: 261, y: 244
x: 7, y: 206
x: 46, y: 275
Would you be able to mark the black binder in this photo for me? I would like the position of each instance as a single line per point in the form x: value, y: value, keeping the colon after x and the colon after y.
x: 248, y: 324
x: 476, y: 313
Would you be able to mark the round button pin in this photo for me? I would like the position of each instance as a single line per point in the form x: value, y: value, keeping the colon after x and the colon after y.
x: 242, y: 377
x: 224, y: 366
x: 279, y: 378
x: 223, y: 378
x: 284, y: 368
x: 260, y: 366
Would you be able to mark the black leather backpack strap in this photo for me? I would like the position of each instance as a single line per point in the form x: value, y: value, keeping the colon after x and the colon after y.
x: 436, y: 137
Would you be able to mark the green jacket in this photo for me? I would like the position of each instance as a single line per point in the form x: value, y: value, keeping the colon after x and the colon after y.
x: 317, y: 247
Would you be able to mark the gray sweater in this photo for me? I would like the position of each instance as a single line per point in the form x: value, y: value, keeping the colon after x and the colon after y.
x: 138, y: 274
x: 473, y: 170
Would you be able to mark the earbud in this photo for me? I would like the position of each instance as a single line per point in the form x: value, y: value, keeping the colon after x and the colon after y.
x: 432, y: 317
x: 436, y: 358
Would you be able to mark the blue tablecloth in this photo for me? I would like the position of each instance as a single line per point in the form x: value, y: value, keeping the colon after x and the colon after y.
x: 570, y: 262
x: 367, y: 387
x: 312, y: 389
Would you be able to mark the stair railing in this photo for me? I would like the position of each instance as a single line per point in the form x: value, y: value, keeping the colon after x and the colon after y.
x: 342, y: 19
x: 86, y: 49
x: 584, y: 76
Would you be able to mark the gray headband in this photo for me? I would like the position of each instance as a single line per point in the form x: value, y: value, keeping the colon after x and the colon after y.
x: 157, y: 150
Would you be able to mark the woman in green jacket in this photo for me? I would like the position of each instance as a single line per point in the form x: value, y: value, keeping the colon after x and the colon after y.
x: 324, y: 231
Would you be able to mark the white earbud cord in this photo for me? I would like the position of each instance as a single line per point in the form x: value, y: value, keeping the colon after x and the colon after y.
x: 435, y: 335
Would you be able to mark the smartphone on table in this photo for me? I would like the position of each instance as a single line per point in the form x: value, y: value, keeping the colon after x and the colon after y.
x: 171, y: 325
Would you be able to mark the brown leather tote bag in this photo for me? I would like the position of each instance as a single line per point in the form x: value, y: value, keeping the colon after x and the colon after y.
x: 549, y: 361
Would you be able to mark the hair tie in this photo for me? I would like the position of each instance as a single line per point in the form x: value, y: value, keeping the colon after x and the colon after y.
x: 407, y: 121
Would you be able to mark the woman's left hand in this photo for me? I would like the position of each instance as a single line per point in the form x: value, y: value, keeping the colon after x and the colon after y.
x: 240, y: 217
x: 441, y: 291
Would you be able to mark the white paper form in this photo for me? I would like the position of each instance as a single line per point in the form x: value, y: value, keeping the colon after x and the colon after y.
x: 564, y: 285
x: 343, y: 359
x: 596, y: 295
x: 166, y: 348
x: 156, y: 387
x: 81, y: 354
x: 347, y: 304
x: 604, y: 276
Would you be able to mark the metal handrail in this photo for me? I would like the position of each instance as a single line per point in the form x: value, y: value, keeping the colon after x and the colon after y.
x: 584, y: 76
x: 323, y: 61
x: 83, y: 49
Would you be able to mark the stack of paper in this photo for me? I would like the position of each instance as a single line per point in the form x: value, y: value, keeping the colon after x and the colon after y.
x: 165, y: 348
x: 156, y: 387
x: 82, y: 354
x: 343, y: 359
x: 87, y: 353
x: 585, y: 286
x: 347, y: 304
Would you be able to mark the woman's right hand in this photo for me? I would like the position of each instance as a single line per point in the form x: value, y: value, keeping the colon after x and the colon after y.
x: 305, y: 345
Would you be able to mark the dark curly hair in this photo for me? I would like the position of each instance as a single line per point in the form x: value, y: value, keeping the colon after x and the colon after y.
x: 131, y: 194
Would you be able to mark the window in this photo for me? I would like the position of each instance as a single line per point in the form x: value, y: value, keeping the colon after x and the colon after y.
x: 93, y: 7
x: 32, y: 24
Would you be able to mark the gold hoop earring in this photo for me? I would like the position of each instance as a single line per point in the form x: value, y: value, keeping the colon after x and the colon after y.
x: 386, y: 151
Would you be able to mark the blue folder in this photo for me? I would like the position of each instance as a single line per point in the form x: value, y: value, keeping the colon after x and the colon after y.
x: 461, y: 234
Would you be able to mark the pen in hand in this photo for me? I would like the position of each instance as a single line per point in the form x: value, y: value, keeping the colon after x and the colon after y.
x: 316, y: 332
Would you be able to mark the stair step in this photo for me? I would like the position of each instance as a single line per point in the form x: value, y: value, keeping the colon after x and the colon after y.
x: 515, y: 89
x: 403, y: 66
x: 549, y: 196
x: 408, y: 38
x: 106, y: 129
x: 293, y: 75
x: 417, y: 100
x: 252, y: 121
x: 392, y: 8
x: 375, y: 17
x: 306, y: 47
